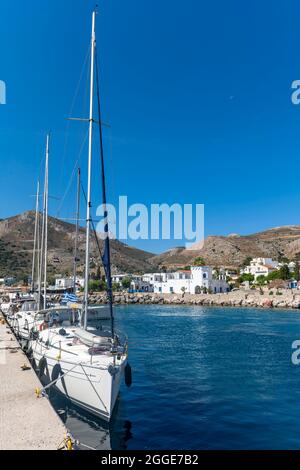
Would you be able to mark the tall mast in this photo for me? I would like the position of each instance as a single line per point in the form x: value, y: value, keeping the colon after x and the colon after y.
x: 38, y: 242
x: 35, y: 235
x: 46, y: 221
x: 106, y: 253
x: 88, y: 208
x: 77, y: 228
x: 42, y: 247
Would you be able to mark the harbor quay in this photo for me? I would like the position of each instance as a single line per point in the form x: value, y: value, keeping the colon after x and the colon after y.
x: 26, y: 422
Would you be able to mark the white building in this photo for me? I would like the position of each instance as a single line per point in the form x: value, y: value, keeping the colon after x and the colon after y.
x: 292, y: 265
x: 154, y: 277
x: 194, y: 281
x: 80, y: 281
x: 64, y: 282
x: 176, y: 282
x: 232, y: 273
x: 67, y: 282
x: 138, y: 284
x: 260, y: 267
x: 118, y: 278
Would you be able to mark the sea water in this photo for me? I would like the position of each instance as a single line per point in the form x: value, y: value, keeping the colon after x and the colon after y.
x: 203, y: 378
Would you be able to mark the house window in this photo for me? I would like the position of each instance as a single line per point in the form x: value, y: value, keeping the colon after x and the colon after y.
x: 171, y: 290
x: 159, y: 289
x: 204, y: 275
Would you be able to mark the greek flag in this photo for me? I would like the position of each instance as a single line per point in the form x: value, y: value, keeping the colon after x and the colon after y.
x: 69, y: 298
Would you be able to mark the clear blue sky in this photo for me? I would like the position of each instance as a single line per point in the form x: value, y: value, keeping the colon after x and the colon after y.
x: 197, y: 94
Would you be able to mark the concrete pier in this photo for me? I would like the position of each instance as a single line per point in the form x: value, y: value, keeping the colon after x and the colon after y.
x: 26, y: 422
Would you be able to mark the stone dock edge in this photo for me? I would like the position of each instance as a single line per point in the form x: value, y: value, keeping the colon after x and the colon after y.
x: 26, y: 422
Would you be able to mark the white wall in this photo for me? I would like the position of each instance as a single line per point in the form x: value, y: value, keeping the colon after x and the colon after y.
x: 64, y: 282
x: 200, y: 278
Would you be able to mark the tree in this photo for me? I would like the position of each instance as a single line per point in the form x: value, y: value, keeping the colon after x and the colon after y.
x: 274, y: 275
x: 282, y: 258
x: 94, y: 285
x: 284, y: 272
x: 51, y: 280
x: 246, y: 277
x: 98, y: 272
x: 97, y: 285
x: 216, y: 273
x: 126, y: 282
x: 199, y: 261
x: 247, y: 261
x: 25, y: 280
x: 297, y: 271
x: 261, y: 280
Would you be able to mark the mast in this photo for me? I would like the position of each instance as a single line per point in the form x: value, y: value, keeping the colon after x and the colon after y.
x: 35, y: 235
x: 106, y: 254
x: 42, y: 250
x: 38, y: 241
x: 42, y: 256
x: 88, y: 208
x: 46, y: 221
x: 77, y: 228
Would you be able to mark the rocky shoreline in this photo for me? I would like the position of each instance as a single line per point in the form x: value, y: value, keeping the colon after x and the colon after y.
x: 282, y: 299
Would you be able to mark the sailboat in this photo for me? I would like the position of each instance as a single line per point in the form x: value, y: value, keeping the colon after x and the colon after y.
x: 95, y: 312
x: 84, y: 363
x: 23, y: 320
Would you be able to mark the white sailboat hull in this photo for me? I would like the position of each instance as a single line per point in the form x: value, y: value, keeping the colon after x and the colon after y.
x: 91, y: 387
x: 22, y: 326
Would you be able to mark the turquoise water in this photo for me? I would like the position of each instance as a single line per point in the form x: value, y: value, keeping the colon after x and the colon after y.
x: 203, y: 378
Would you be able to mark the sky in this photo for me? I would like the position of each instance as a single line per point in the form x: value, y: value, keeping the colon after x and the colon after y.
x: 197, y: 95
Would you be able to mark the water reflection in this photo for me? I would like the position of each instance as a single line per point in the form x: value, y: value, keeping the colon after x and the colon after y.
x: 91, y: 431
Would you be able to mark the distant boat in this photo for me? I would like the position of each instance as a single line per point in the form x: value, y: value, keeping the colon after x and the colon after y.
x: 22, y: 320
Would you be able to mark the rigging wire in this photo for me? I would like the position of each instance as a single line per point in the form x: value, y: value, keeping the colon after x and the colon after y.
x: 93, y: 225
x: 76, y: 165
x: 106, y: 257
x: 71, y: 111
x: 109, y: 138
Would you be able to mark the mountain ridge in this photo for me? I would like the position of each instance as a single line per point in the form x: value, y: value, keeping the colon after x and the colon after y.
x: 232, y: 250
x: 16, y: 247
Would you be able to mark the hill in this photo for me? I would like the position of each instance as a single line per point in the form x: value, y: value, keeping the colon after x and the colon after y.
x: 232, y: 250
x: 16, y: 248
x: 16, y: 245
